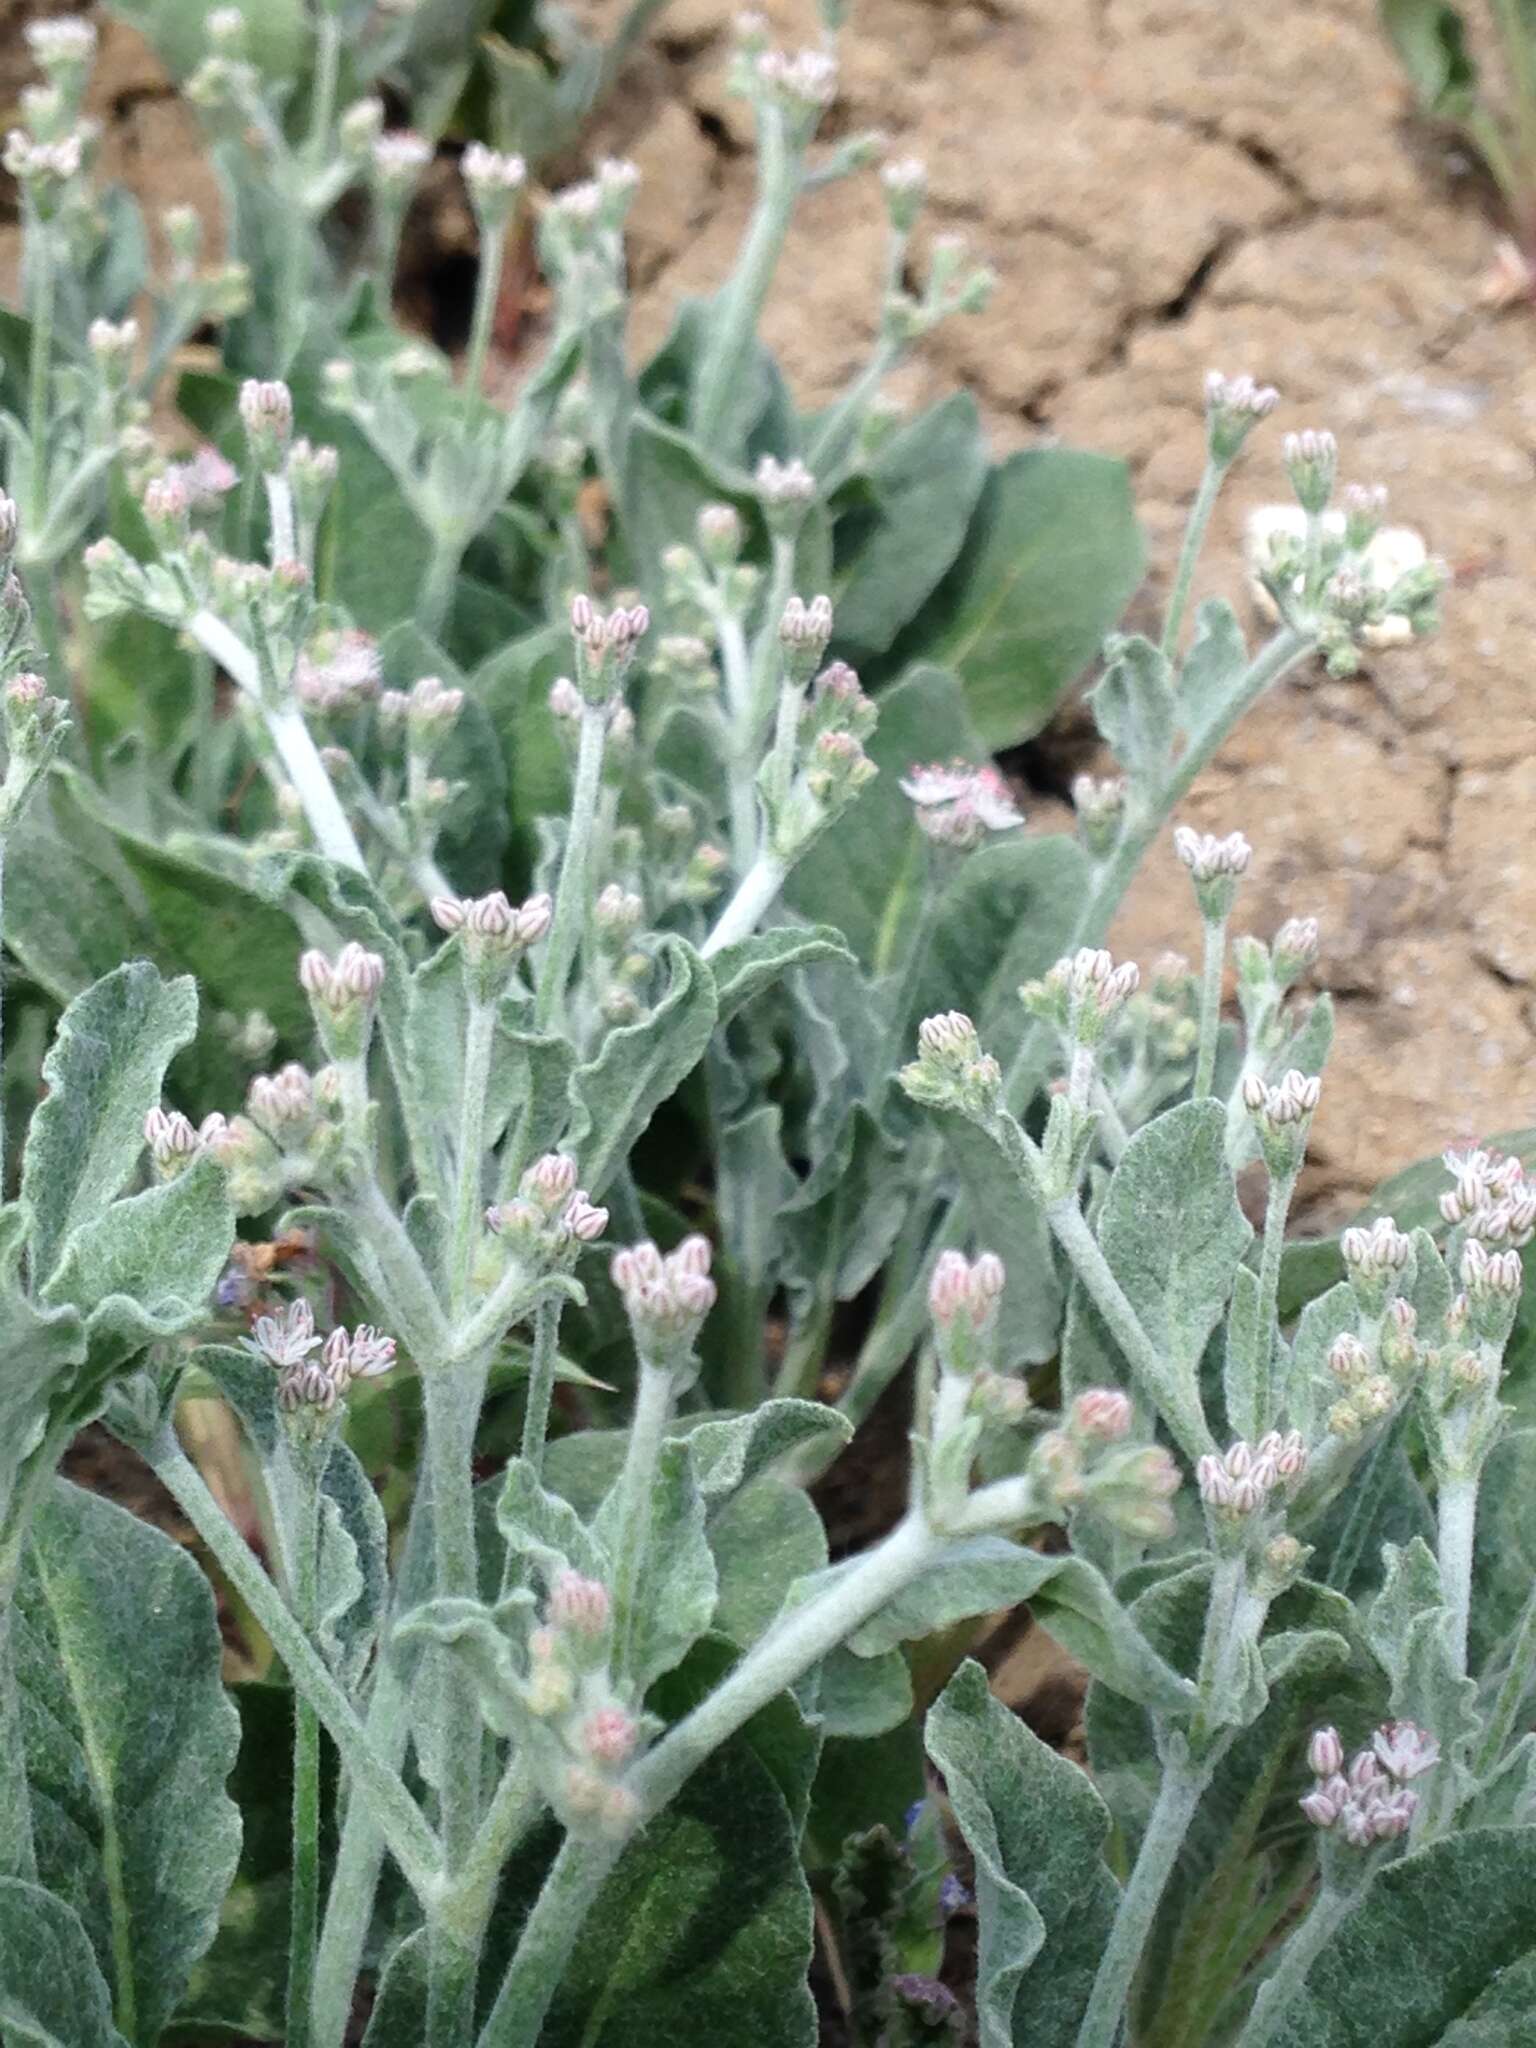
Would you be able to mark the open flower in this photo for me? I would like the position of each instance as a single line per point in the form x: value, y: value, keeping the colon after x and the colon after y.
x: 959, y: 805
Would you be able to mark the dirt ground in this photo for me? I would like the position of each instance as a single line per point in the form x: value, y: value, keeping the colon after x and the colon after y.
x: 1162, y: 186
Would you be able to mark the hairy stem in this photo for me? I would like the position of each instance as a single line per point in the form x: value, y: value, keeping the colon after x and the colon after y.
x: 653, y: 1411
x: 410, y: 1840
x: 547, y: 1941
x: 1178, y: 1796
x: 479, y: 1044
x: 541, y: 1382
x: 1277, y: 1207
x: 40, y: 382
x: 741, y: 734
x: 304, y: 1894
x: 754, y: 893
x: 1456, y: 1523
x: 574, y: 891
x: 741, y: 303
x: 1278, y: 1992
x: 1189, y: 554
x: 1210, y: 1005
x: 487, y: 291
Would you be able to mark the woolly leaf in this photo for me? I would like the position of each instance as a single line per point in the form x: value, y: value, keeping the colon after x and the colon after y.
x: 102, y: 1074
x: 51, y: 1993
x: 129, y: 1738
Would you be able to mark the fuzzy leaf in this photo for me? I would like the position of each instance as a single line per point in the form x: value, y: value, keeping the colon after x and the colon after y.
x: 639, y: 1066
x: 677, y: 1589
x: 545, y: 1529
x: 1504, y: 1567
x: 731, y: 1451
x: 1052, y: 557
x: 1173, y: 1232
x: 472, y: 1632
x: 704, y: 1930
x: 163, y: 1250
x: 353, y: 1566
x: 51, y: 1993
x: 1012, y: 1222
x: 923, y: 486
x: 763, y: 1538
x: 1068, y: 1598
x: 755, y: 963
x: 102, y: 1074
x: 1044, y: 1898
x: 1133, y: 707
x: 1440, y: 1953
x: 129, y: 1739
x: 1213, y: 666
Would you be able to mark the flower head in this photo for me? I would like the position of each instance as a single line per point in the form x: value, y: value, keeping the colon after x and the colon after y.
x: 959, y: 805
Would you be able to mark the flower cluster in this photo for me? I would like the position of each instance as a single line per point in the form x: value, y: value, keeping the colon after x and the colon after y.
x: 959, y: 805
x: 606, y: 646
x: 951, y: 1071
x: 1371, y: 1801
x: 583, y: 1735
x: 1081, y: 993
x: 174, y: 1143
x: 550, y: 1218
x: 288, y: 1341
x: 1087, y: 1463
x: 1491, y: 1197
x: 1237, y: 1484
x: 666, y: 1296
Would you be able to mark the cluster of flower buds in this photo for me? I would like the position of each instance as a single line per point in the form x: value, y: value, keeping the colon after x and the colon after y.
x: 804, y: 630
x: 343, y: 994
x: 1086, y: 1462
x: 1234, y: 406
x: 266, y: 413
x: 428, y: 710
x: 951, y: 287
x: 1282, y: 1116
x: 617, y: 916
x: 493, y: 931
x: 964, y: 1297
x: 1491, y: 1283
x: 1312, y: 463
x: 550, y: 1219
x: 1371, y: 1800
x: 1099, y: 801
x: 309, y: 1387
x: 47, y: 170
x: 493, y: 180
x: 786, y: 490
x: 1082, y: 993
x: 1237, y: 1484
x: 584, y: 1737
x: 802, y: 85
x: 1215, y: 865
x: 904, y: 180
x: 35, y: 724
x: 835, y: 720
x: 1491, y: 1199
x: 959, y: 805
x: 680, y: 866
x: 396, y: 163
x: 1377, y: 1257
x: 951, y: 1071
x: 338, y: 670
x: 605, y: 646
x: 1370, y: 1394
x: 174, y: 1142
x: 666, y: 1297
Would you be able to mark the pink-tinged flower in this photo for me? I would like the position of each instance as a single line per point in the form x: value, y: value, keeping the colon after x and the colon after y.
x: 1405, y: 1750
x: 958, y: 805
x: 1325, y: 1753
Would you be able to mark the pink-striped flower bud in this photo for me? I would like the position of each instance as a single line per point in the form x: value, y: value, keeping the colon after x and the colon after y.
x: 580, y: 1606
x: 1325, y: 1753
x: 1102, y: 1412
x: 609, y: 1736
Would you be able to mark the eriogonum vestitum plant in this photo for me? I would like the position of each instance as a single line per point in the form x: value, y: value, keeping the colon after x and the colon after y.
x: 639, y: 1022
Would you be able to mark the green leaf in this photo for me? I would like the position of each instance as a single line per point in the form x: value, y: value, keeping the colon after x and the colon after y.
x: 763, y: 1539
x: 103, y: 1074
x: 129, y: 1739
x: 1217, y: 659
x: 1441, y: 1950
x: 753, y: 964
x: 51, y: 1993
x: 399, y: 2015
x: 1504, y: 1566
x: 923, y: 484
x: 616, y: 1095
x: 179, y: 31
x: 731, y: 1451
x: 544, y: 1528
x: 162, y: 1251
x: 353, y: 1576
x: 1431, y: 42
x: 1173, y: 1232
x: 1067, y: 1597
x: 1133, y: 707
x: 1044, y: 1898
x: 1246, y: 1379
x: 703, y: 1931
x: 1012, y: 1224
x: 675, y: 1596
x: 39, y: 1352
x: 1051, y: 559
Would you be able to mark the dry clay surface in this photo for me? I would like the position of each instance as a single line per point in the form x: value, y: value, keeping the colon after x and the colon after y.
x: 1163, y: 186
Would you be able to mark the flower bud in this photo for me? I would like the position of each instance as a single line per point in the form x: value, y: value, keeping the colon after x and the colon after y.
x: 266, y: 413
x: 1234, y: 406
x: 1325, y: 1753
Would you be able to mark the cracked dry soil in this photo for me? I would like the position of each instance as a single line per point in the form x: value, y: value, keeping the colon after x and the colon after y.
x: 1163, y: 186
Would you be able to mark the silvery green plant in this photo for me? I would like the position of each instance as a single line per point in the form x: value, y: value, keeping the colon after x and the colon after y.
x: 654, y: 960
